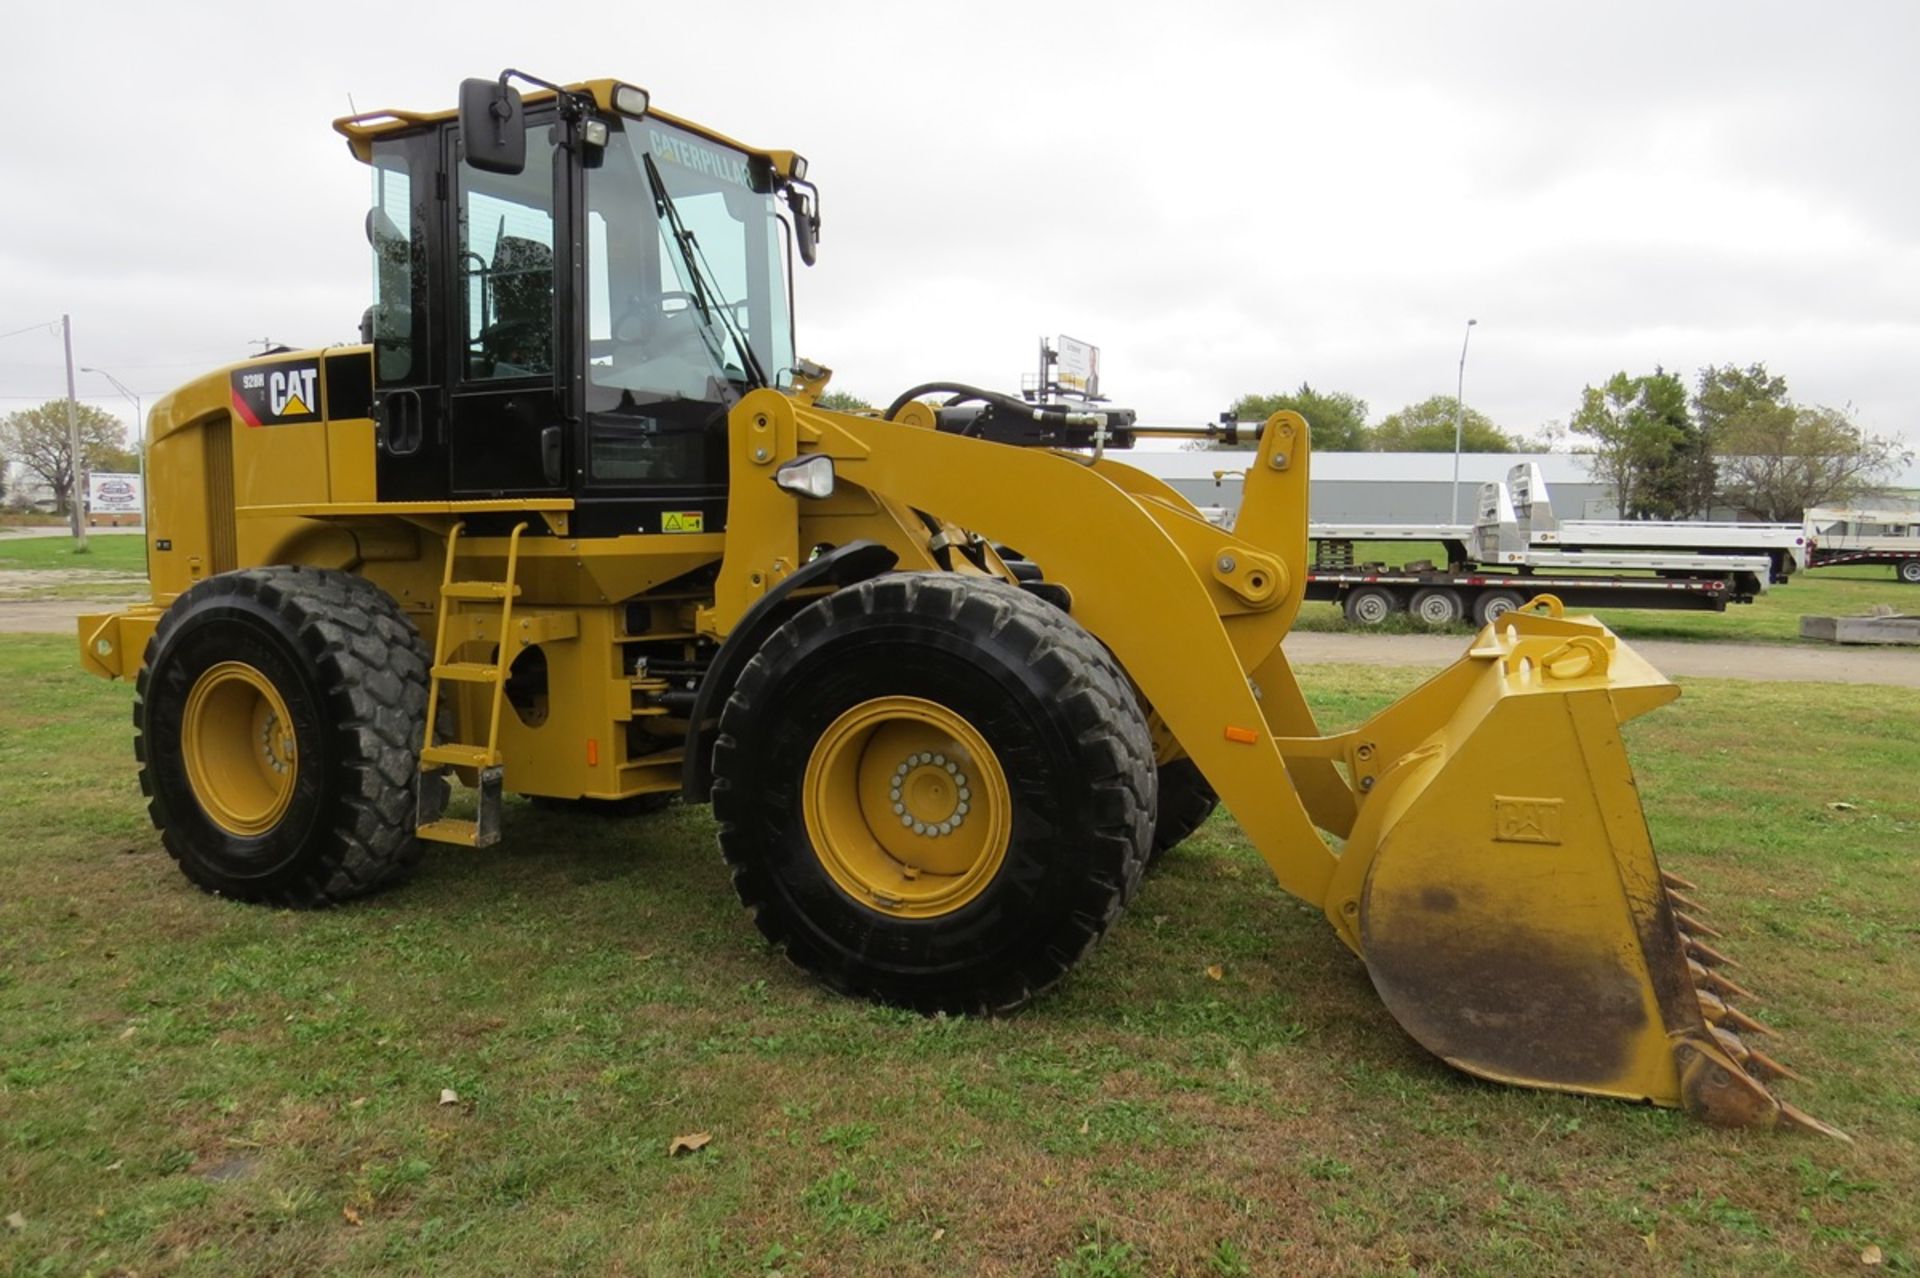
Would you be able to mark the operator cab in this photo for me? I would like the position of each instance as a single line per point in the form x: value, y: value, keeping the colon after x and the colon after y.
x: 574, y: 319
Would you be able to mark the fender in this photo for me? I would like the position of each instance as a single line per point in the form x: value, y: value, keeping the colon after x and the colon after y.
x: 842, y: 566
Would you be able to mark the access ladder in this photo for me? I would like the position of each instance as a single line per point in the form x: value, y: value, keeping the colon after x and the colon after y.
x: 460, y: 600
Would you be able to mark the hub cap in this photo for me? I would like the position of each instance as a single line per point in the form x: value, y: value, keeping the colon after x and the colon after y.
x: 237, y: 741
x: 907, y: 807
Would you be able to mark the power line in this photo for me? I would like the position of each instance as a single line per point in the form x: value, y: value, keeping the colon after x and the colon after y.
x: 48, y: 325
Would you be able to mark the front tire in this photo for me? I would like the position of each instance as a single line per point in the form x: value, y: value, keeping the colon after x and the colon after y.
x: 1910, y: 571
x: 278, y: 723
x: 936, y: 791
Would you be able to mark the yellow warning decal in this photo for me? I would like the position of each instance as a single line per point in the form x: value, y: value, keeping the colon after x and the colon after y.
x: 683, y: 521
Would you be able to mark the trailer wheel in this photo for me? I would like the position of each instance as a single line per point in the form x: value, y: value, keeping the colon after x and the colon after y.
x: 1437, y: 606
x: 1371, y: 605
x: 935, y: 791
x: 1186, y: 801
x: 1494, y: 604
x: 1910, y: 571
x: 278, y: 724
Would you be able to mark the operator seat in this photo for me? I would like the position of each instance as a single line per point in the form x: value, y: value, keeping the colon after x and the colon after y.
x: 521, y: 335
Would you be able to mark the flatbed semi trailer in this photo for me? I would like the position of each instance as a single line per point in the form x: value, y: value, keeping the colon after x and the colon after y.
x: 1368, y: 594
x: 1905, y: 563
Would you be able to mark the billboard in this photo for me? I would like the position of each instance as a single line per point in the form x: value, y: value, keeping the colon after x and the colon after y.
x: 1077, y: 367
x: 114, y: 495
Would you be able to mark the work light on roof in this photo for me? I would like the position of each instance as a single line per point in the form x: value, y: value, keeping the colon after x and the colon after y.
x: 629, y: 100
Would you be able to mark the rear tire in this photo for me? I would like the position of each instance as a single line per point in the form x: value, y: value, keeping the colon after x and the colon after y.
x: 1047, y: 784
x: 1910, y: 571
x: 1371, y: 605
x: 278, y: 724
x: 1186, y: 801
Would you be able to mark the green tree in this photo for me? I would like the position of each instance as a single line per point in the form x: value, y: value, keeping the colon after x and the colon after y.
x: 843, y: 402
x: 1730, y: 400
x: 1779, y: 462
x: 1643, y: 444
x: 1427, y: 427
x: 1337, y: 420
x: 1728, y: 396
x: 37, y: 439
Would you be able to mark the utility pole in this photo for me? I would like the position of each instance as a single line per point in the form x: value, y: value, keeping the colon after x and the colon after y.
x: 73, y: 444
x: 1459, y: 415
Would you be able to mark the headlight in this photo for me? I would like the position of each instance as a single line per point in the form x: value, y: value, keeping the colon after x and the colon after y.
x: 807, y: 476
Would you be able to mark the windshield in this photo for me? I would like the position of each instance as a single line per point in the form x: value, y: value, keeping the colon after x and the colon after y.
x: 658, y: 330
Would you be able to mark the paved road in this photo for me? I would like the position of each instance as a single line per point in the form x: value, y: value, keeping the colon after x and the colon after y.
x: 1790, y: 663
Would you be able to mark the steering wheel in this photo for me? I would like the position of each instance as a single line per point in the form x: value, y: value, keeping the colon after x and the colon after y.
x: 646, y: 322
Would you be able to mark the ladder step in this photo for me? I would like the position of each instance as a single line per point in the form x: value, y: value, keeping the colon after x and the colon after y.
x: 460, y: 756
x: 479, y: 590
x: 467, y: 672
x: 451, y: 830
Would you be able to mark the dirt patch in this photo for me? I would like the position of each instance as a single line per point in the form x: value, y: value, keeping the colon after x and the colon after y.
x: 48, y: 616
x: 22, y: 581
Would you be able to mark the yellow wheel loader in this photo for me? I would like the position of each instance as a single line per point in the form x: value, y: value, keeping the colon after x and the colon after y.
x: 571, y: 523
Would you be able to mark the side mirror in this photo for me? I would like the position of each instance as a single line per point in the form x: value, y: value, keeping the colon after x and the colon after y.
x: 493, y: 128
x: 806, y: 224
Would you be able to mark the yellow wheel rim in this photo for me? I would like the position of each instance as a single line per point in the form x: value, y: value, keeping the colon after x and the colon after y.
x: 907, y: 807
x: 237, y: 740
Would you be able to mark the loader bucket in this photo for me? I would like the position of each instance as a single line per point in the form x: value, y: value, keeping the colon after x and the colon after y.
x: 1501, y: 885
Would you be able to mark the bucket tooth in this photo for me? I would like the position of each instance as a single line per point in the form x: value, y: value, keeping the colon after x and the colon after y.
x: 1746, y: 1024
x: 1767, y: 1067
x: 1730, y: 1043
x: 1713, y: 1008
x: 1705, y: 977
x: 1687, y: 903
x: 1673, y: 881
x: 1708, y: 955
x: 1693, y: 926
x: 1800, y: 1120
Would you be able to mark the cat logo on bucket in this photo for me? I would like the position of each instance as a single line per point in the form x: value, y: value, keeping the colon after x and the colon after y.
x: 683, y: 521
x: 277, y: 394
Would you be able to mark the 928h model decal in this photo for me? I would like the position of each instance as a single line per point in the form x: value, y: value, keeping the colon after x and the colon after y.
x: 277, y: 394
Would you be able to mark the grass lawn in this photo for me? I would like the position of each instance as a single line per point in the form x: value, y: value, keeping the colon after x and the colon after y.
x: 1772, y: 618
x: 114, y: 552
x: 189, y: 1086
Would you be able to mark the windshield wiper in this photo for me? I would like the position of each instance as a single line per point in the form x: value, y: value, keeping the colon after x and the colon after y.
x: 706, y: 295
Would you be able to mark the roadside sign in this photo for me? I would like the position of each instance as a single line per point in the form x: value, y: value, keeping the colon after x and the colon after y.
x: 109, y: 494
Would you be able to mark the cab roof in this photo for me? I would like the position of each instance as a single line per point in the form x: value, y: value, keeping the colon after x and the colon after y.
x: 362, y: 130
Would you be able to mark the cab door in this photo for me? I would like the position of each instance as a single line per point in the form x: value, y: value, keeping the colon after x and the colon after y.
x: 509, y: 431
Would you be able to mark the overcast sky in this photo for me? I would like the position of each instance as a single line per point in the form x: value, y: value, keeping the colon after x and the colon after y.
x: 1224, y: 197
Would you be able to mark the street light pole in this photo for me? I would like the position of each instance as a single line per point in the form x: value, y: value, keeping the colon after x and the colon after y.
x: 75, y: 460
x: 139, y: 417
x: 139, y: 433
x: 1459, y: 416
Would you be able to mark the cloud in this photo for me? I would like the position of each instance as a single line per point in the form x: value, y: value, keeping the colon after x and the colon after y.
x: 1228, y: 198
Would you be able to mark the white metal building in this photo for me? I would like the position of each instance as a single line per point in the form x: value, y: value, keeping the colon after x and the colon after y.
x: 1384, y: 488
